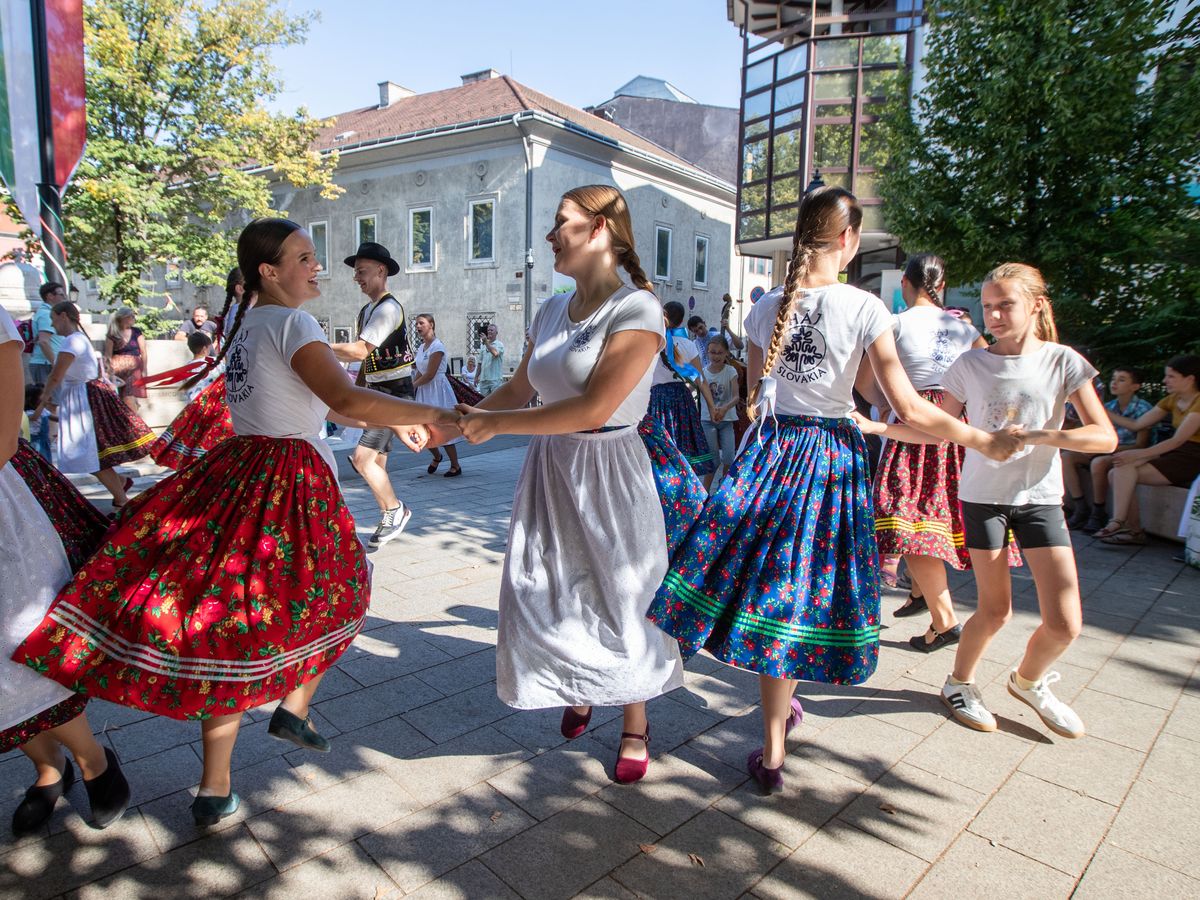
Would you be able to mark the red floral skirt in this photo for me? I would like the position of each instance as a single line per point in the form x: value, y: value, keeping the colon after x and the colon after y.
x: 121, y: 435
x: 80, y: 525
x: 199, y: 427
x: 58, y: 714
x: 225, y: 586
x: 916, y: 501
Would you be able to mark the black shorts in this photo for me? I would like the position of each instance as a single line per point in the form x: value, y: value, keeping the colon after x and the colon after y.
x: 380, y: 439
x: 1034, y: 525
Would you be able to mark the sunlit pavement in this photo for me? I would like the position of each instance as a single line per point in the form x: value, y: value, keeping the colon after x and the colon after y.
x: 436, y: 788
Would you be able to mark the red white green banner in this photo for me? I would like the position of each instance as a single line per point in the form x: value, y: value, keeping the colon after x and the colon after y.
x: 20, y: 156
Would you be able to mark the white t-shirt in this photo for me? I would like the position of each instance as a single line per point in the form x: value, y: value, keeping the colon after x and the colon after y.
x: 85, y: 366
x: 928, y: 340
x: 565, y: 352
x: 266, y: 396
x: 724, y: 385
x: 421, y: 360
x: 1030, y: 390
x: 830, y: 328
x: 8, y: 328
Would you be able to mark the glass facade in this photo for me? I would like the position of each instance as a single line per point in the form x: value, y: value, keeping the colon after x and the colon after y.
x: 810, y: 101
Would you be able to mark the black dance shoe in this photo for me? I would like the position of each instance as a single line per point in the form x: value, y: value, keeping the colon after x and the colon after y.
x: 36, y: 808
x: 108, y: 792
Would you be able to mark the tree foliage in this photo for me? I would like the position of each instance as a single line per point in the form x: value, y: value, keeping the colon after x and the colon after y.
x: 1064, y: 134
x: 179, y: 137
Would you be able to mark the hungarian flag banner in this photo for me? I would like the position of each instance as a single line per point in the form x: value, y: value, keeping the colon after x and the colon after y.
x: 21, y: 160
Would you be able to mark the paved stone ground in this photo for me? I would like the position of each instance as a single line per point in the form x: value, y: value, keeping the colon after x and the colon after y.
x: 436, y: 789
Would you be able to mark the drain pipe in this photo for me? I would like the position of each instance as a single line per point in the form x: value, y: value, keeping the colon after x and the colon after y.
x: 528, y: 147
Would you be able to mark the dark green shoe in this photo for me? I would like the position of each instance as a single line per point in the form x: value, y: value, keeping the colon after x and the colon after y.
x: 288, y: 727
x: 208, y: 811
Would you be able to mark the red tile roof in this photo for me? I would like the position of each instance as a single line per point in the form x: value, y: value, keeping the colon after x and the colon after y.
x: 481, y: 100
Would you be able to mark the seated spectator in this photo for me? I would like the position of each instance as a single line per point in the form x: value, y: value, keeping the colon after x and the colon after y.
x: 1123, y: 386
x: 198, y: 321
x: 201, y: 344
x: 470, y: 373
x: 1175, y: 461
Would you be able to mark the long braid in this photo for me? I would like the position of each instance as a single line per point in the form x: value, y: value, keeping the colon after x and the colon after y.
x: 802, y: 255
x: 630, y: 262
x: 930, y: 288
x: 237, y: 323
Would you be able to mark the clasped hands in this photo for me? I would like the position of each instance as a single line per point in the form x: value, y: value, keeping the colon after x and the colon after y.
x: 476, y: 425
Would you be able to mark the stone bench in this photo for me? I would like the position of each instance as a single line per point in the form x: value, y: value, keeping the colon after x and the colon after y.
x: 1161, y: 508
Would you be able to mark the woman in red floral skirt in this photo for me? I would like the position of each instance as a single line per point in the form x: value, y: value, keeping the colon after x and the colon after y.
x: 240, y: 579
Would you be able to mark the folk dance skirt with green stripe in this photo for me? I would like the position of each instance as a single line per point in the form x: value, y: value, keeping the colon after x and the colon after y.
x: 225, y: 586
x: 779, y: 573
x: 680, y: 492
x: 673, y: 406
x: 916, y: 500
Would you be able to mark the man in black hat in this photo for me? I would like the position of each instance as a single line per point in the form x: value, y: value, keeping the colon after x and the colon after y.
x: 386, y: 361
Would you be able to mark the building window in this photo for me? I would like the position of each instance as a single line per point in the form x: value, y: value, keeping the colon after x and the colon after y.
x: 700, y: 278
x: 319, y: 232
x: 662, y: 253
x: 420, y: 238
x: 174, y: 273
x: 482, y: 217
x: 365, y: 229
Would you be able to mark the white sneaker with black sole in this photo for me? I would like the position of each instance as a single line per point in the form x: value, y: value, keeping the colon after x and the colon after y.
x: 966, y: 705
x: 1059, y: 717
x: 390, y: 526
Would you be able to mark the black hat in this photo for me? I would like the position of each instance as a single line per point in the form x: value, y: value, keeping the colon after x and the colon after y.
x: 377, y: 252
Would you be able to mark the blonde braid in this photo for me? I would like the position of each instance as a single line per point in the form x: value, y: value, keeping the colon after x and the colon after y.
x: 630, y: 262
x: 801, y: 259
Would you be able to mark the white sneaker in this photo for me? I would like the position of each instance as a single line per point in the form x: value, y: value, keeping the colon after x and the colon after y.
x: 1059, y: 717
x: 391, y: 525
x: 966, y: 705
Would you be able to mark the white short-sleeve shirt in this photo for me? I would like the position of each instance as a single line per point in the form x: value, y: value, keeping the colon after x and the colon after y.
x: 829, y: 330
x: 85, y: 366
x: 1031, y: 390
x: 928, y: 340
x: 266, y: 396
x: 8, y: 328
x: 565, y: 352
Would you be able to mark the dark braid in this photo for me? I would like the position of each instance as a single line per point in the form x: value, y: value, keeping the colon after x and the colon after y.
x: 925, y: 272
x: 823, y: 215
x: 237, y: 323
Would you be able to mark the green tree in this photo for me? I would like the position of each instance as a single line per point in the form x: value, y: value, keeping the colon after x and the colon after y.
x: 180, y: 142
x: 1063, y: 134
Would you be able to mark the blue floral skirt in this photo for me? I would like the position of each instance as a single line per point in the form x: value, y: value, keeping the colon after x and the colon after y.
x: 672, y: 405
x: 679, y: 490
x: 779, y: 573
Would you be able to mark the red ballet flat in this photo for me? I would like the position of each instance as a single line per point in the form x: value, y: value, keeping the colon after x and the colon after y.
x: 630, y: 770
x: 573, y: 724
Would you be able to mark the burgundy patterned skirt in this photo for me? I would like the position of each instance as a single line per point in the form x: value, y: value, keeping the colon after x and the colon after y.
x: 463, y: 392
x: 917, y: 512
x: 200, y: 426
x: 121, y: 435
x: 80, y: 525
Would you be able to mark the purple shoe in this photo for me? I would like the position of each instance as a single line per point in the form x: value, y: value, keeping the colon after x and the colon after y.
x: 795, y: 717
x: 770, y: 780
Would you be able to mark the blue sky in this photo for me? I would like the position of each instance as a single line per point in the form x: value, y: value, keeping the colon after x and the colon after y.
x: 577, y: 53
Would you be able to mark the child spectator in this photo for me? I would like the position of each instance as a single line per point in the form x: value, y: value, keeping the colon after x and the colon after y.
x: 1173, y: 461
x: 1124, y: 385
x: 200, y: 344
x: 718, y: 421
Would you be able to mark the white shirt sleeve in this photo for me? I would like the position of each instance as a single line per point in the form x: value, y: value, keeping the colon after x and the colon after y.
x: 8, y: 328
x: 300, y: 330
x: 954, y: 379
x: 639, y: 311
x: 875, y: 320
x: 75, y: 343
x: 1077, y: 371
x: 382, y: 321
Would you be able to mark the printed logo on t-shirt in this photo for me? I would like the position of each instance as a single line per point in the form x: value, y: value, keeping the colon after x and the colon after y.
x: 582, y: 340
x: 1004, y: 409
x: 237, y: 372
x: 941, y: 350
x: 804, y: 352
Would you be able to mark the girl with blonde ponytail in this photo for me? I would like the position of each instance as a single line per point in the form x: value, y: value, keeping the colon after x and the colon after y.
x: 778, y: 575
x: 1022, y: 381
x: 588, y: 545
